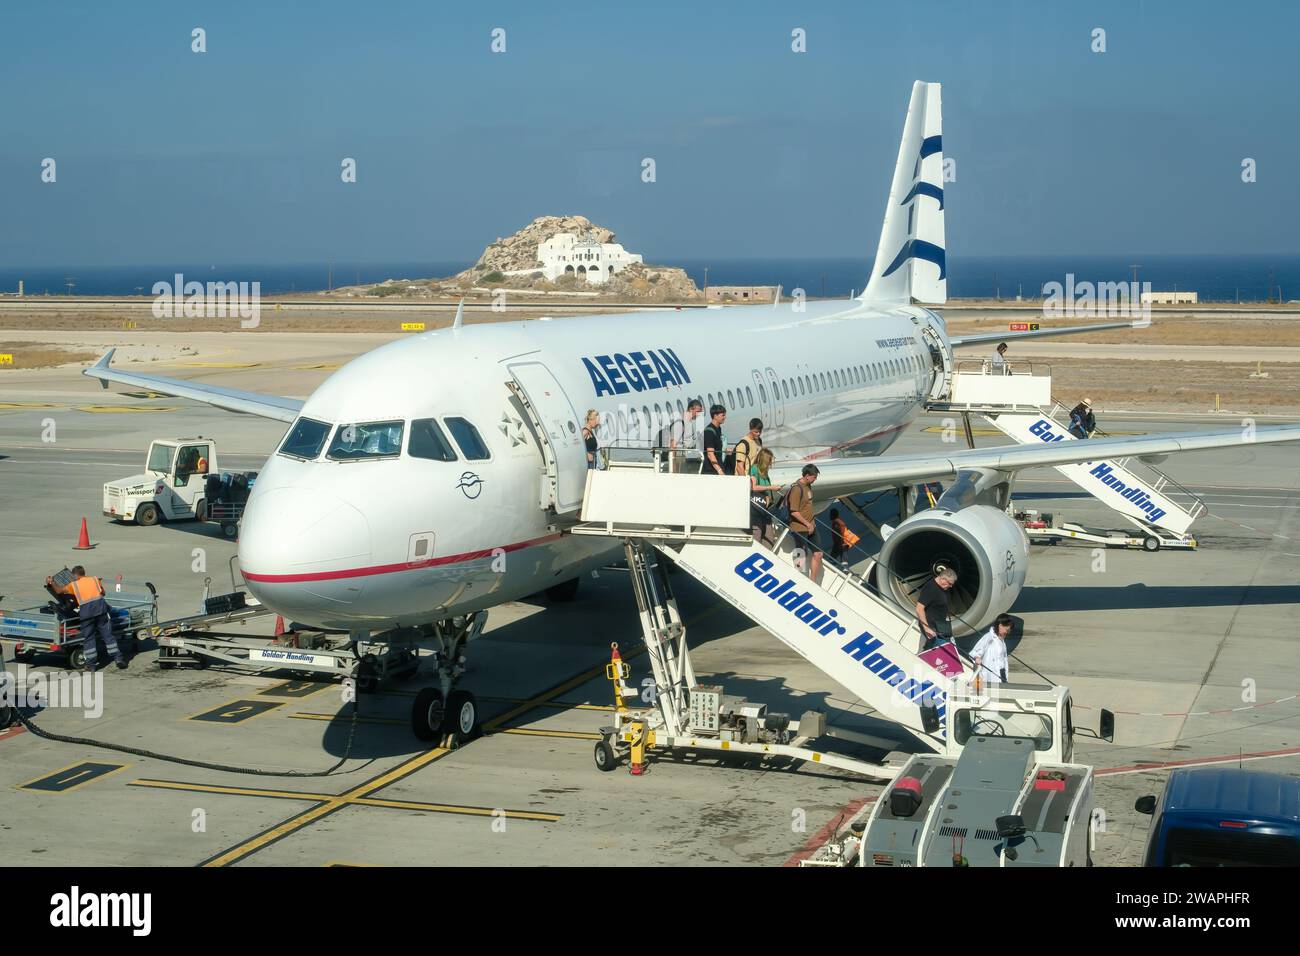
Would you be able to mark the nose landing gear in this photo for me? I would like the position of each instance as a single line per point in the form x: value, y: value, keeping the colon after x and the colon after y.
x: 443, y: 713
x: 451, y: 721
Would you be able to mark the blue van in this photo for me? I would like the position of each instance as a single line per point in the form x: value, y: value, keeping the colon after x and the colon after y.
x: 1224, y: 817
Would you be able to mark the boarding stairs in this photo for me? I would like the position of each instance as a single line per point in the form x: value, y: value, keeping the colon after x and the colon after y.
x: 840, y: 625
x: 1019, y: 403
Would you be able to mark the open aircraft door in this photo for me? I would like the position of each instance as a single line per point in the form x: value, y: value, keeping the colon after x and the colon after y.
x: 559, y: 430
x: 941, y: 359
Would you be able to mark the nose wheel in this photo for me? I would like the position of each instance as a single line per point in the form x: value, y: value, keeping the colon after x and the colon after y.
x: 451, y: 721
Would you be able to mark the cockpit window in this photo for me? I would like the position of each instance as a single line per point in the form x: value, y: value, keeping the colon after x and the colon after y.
x: 428, y: 441
x: 467, y: 437
x: 366, y: 440
x: 305, y: 439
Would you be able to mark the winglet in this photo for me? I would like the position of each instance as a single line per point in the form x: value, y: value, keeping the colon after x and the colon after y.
x: 104, y: 363
x: 460, y: 315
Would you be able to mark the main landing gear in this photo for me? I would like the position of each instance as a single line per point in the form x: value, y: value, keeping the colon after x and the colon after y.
x: 443, y: 713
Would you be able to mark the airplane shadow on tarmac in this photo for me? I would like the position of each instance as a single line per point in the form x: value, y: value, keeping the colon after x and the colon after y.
x: 604, y: 610
x: 1146, y: 597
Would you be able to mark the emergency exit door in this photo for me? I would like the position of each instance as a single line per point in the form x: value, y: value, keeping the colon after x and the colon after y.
x: 556, y: 423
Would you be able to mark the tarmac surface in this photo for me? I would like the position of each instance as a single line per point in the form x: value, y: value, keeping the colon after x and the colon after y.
x: 1195, y: 651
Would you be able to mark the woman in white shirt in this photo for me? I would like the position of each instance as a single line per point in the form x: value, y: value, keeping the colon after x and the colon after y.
x: 990, y: 654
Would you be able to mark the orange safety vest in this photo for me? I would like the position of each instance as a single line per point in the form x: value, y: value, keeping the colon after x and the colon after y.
x: 86, y: 589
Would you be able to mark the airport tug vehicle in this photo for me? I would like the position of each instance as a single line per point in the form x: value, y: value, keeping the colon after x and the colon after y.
x: 181, y: 482
x: 1004, y: 793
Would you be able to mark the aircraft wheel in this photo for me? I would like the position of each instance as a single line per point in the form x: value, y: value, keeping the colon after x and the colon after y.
x: 367, y: 675
x: 461, y: 718
x: 1150, y: 544
x: 428, y: 714
x: 606, y: 759
x: 146, y: 515
x: 230, y: 530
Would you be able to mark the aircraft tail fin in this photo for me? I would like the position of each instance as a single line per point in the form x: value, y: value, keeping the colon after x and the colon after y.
x: 911, y: 263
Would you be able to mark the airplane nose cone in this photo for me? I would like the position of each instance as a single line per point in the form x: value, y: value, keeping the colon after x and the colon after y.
x: 296, y: 545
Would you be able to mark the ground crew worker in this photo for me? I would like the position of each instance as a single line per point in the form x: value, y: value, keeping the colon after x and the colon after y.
x: 93, y: 613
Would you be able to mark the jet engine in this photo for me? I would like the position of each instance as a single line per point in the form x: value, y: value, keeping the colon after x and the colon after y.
x: 986, y: 548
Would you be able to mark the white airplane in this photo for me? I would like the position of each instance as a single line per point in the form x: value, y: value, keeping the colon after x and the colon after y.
x: 435, y: 477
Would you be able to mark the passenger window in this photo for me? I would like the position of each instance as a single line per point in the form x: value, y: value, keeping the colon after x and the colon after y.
x: 428, y: 441
x: 366, y: 440
x: 749, y: 394
x: 467, y: 437
x: 731, y: 400
x: 785, y: 387
x: 762, y: 393
x: 305, y: 439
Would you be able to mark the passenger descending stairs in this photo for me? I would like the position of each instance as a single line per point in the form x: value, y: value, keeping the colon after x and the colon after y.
x: 859, y: 638
x: 1020, y: 405
x: 1141, y: 493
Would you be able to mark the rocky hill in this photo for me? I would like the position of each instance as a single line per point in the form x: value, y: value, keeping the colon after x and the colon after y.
x: 520, y: 250
x: 518, y: 253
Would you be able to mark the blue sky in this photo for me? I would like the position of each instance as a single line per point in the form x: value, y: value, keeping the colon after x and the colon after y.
x: 234, y: 155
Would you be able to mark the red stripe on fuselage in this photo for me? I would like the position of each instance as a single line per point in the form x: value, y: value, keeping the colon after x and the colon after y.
x: 394, y: 568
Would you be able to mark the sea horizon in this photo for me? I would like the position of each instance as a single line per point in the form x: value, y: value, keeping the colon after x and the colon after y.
x: 1215, y: 278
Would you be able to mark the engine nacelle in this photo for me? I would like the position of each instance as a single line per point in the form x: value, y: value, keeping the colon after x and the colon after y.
x: 986, y: 548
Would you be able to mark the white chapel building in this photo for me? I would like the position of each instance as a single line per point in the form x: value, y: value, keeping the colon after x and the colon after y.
x: 568, y: 254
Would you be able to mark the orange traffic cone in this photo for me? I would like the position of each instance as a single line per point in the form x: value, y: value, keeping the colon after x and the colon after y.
x: 83, y: 542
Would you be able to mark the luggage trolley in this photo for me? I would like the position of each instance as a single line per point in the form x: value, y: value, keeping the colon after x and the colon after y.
x: 54, y: 627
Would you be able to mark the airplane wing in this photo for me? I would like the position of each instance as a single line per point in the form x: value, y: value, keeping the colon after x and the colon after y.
x: 982, y: 339
x: 231, y: 399
x: 843, y: 476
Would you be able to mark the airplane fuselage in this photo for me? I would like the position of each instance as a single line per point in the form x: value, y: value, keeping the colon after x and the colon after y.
x: 366, y: 535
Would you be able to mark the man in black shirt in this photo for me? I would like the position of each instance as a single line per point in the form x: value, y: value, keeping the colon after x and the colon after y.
x: 711, y: 463
x: 932, y: 608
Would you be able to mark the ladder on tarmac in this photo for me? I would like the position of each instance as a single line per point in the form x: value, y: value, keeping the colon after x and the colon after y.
x: 1020, y: 405
x: 855, y: 636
